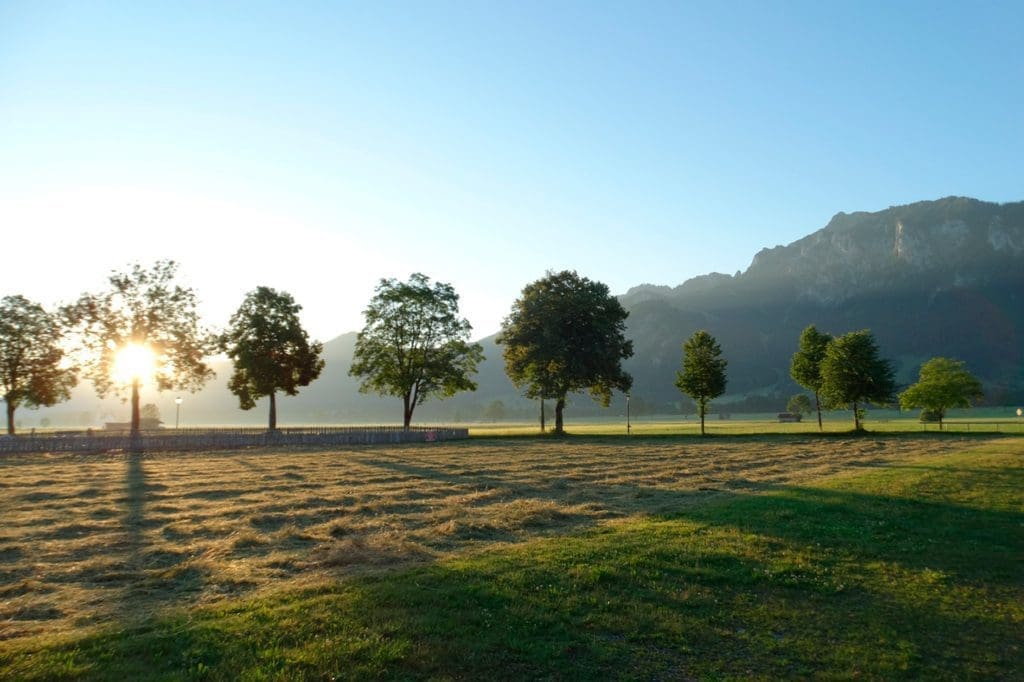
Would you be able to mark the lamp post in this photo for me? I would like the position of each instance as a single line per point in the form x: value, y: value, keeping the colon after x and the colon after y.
x: 628, y: 426
x: 177, y: 412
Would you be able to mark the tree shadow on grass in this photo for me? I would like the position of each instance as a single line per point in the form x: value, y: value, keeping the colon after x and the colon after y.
x: 916, y: 532
x: 701, y: 594
x: 961, y: 542
x: 792, y: 582
x: 156, y: 578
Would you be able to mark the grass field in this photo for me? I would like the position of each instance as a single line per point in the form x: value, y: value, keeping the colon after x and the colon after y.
x: 591, y: 557
x: 750, y: 425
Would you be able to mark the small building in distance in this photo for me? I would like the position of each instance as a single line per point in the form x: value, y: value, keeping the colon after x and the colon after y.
x: 790, y: 417
x: 145, y: 424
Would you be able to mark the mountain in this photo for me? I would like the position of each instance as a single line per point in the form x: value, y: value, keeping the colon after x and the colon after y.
x: 932, y: 278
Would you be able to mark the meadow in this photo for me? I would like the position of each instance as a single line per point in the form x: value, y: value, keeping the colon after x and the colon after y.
x: 588, y: 557
x: 1000, y: 420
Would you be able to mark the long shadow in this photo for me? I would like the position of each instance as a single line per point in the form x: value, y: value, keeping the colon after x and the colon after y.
x: 135, y: 502
x: 147, y: 587
x: 134, y: 521
x: 632, y: 603
x: 917, y: 533
x: 404, y: 466
x: 964, y: 543
x: 654, y: 600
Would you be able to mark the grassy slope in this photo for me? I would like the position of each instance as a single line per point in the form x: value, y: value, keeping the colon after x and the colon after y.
x: 912, y: 569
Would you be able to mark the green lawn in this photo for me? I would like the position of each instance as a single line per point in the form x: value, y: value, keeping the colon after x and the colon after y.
x: 755, y: 425
x: 910, y: 569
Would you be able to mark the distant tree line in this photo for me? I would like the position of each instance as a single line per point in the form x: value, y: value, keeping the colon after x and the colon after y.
x: 565, y: 334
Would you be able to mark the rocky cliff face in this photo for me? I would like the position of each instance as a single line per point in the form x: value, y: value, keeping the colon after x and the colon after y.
x: 932, y: 278
x: 947, y: 243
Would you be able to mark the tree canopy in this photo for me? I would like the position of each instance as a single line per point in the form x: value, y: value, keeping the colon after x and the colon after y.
x: 147, y: 323
x: 150, y: 411
x: 414, y: 344
x: 853, y: 373
x: 33, y: 367
x: 943, y: 383
x: 805, y: 367
x: 703, y: 374
x: 495, y: 411
x: 799, y: 404
x: 270, y: 350
x: 565, y: 334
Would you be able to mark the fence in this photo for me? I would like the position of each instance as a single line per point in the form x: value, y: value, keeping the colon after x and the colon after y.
x: 210, y: 439
x: 979, y: 426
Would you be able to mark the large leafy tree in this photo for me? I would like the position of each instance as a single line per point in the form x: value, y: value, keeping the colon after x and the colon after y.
x: 853, y: 373
x: 143, y: 315
x: 565, y: 334
x: 33, y: 367
x: 703, y: 374
x: 414, y: 344
x: 805, y: 367
x: 943, y: 383
x: 270, y: 350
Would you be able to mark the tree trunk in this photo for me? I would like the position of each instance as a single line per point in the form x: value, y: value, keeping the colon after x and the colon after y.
x: 10, y: 417
x: 856, y: 417
x: 407, y: 407
x: 702, y: 408
x: 135, y: 407
x: 542, y: 425
x: 559, y: 406
x: 941, y: 415
x: 817, y: 405
x: 272, y: 419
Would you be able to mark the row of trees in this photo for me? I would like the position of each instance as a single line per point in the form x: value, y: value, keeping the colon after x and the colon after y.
x: 146, y: 326
x: 848, y: 371
x: 564, y: 334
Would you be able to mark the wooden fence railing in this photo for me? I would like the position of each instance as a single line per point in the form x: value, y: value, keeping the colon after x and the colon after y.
x: 218, y: 439
x: 978, y: 426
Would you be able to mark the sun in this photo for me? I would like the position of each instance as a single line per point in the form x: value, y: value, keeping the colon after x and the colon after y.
x: 135, y: 361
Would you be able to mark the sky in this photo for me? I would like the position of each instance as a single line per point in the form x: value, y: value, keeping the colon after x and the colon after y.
x: 318, y: 147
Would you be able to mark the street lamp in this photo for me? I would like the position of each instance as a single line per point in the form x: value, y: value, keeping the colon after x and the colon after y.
x: 177, y: 411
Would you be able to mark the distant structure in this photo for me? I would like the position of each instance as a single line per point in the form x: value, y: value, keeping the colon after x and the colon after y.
x: 790, y: 417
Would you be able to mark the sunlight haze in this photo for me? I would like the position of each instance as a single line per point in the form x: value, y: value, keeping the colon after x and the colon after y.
x: 316, y: 148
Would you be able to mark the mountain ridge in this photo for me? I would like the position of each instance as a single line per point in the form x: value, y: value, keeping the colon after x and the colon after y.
x: 921, y: 276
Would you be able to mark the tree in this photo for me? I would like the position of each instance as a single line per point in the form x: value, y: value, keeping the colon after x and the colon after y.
x: 144, y: 327
x: 270, y: 350
x: 852, y: 373
x: 414, y: 344
x: 565, y: 334
x: 495, y: 411
x: 150, y: 411
x: 703, y: 374
x: 943, y: 383
x: 799, y: 404
x: 33, y: 368
x: 805, y: 367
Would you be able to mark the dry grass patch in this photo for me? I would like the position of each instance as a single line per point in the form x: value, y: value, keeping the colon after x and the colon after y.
x: 100, y: 539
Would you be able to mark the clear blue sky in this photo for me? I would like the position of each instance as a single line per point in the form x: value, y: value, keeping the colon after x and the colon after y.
x: 316, y: 147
